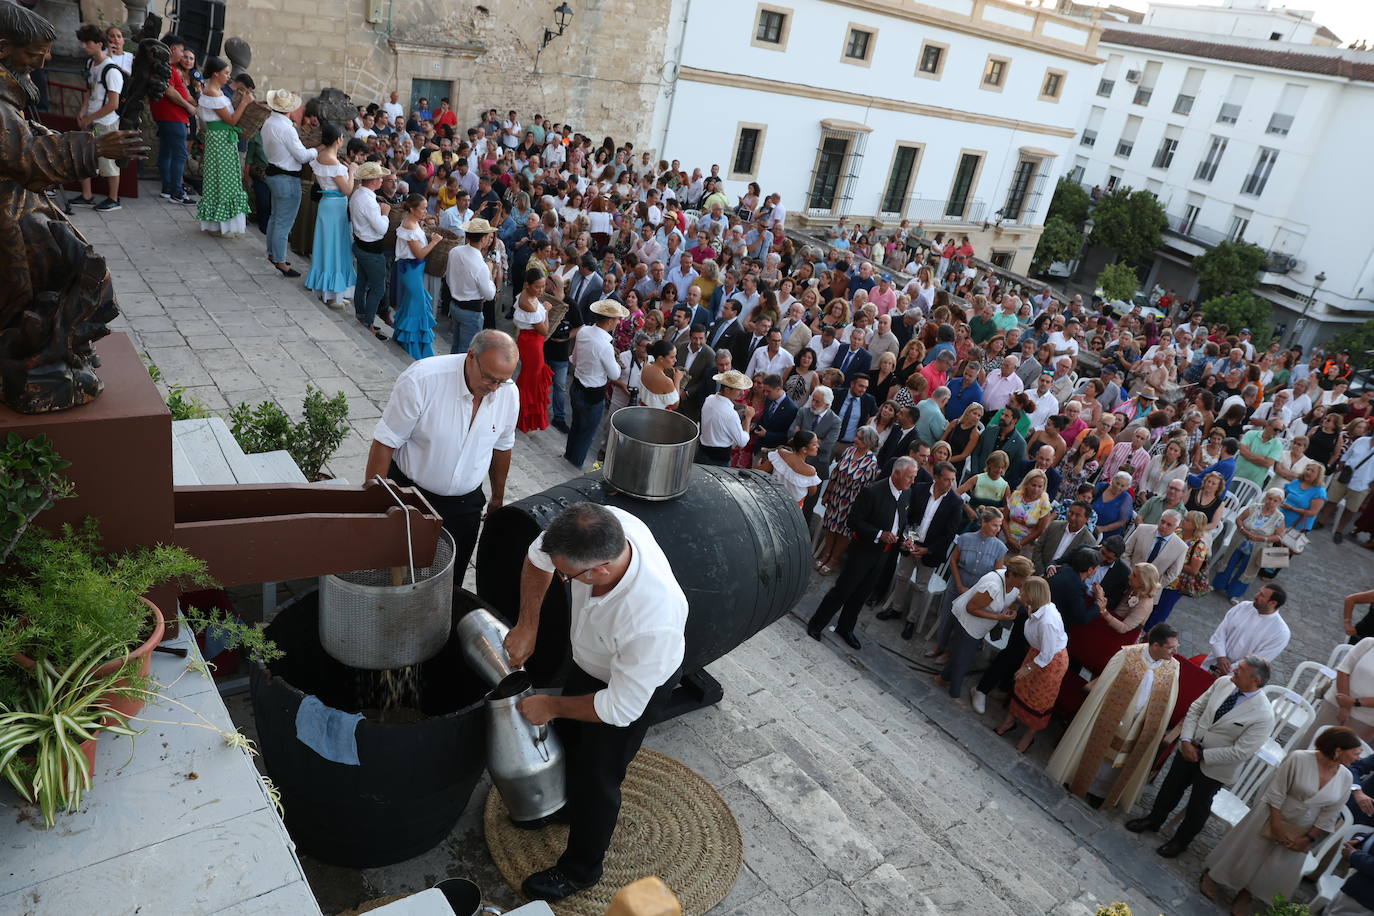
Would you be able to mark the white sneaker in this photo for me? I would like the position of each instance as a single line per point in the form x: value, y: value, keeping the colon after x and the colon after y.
x: 980, y: 702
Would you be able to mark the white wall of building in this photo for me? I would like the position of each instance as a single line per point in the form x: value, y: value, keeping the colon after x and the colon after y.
x: 1236, y: 20
x: 727, y: 79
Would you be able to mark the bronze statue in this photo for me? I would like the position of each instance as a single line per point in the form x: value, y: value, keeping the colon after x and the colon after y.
x: 56, y: 297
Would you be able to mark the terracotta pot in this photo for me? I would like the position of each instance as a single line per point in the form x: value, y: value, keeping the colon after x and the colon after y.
x: 144, y: 654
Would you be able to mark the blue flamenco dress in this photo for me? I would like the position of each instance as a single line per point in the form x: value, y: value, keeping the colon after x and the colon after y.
x: 414, y: 325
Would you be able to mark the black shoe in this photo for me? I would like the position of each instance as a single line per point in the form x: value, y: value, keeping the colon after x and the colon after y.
x: 850, y: 640
x: 815, y: 633
x: 888, y: 613
x: 106, y: 205
x: 1141, y: 825
x: 561, y: 427
x: 908, y: 631
x: 552, y: 885
x: 1095, y: 801
x: 1338, y: 536
x: 82, y: 202
x: 1172, y: 849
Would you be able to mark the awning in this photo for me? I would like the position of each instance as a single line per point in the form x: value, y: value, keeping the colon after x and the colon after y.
x: 1038, y: 152
x: 848, y: 127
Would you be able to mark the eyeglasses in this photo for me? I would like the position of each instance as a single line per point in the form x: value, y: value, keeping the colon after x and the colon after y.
x: 565, y: 578
x: 486, y: 376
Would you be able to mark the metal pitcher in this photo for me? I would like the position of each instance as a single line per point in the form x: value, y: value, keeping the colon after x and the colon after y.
x: 525, y: 761
x: 483, y: 640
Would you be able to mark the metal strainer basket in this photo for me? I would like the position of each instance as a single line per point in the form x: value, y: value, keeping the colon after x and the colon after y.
x: 367, y: 622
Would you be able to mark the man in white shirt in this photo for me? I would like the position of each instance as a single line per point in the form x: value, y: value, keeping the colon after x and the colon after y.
x: 364, y: 131
x: 394, y: 110
x: 449, y: 423
x: 286, y: 156
x: 105, y: 79
x: 681, y: 275
x: 627, y: 617
x: 593, y: 366
x: 721, y: 427
x: 470, y: 283
x: 114, y: 40
x: 1250, y: 628
x: 825, y: 345
x: 1001, y: 385
x: 1046, y: 404
x: 770, y: 359
x: 370, y: 225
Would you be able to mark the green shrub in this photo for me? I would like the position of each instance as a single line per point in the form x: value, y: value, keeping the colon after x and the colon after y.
x: 31, y: 481
x: 1118, y: 281
x: 311, y: 442
x: 1240, y: 310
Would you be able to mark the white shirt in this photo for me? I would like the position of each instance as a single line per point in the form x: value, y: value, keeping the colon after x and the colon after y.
x: 103, y: 78
x: 993, y: 584
x: 593, y: 359
x: 760, y: 361
x: 439, y: 443
x: 720, y: 425
x: 364, y: 133
x: 1045, y: 632
x: 1062, y: 345
x: 1064, y: 542
x: 825, y: 356
x: 468, y: 276
x: 369, y: 225
x: 282, y: 145
x: 921, y: 531
x: 453, y: 219
x: 1046, y: 406
x: 1245, y: 631
x: 1358, y: 459
x: 395, y: 112
x: 999, y: 388
x: 632, y: 636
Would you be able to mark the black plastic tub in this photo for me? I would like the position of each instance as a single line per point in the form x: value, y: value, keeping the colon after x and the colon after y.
x: 414, y: 778
x: 738, y: 545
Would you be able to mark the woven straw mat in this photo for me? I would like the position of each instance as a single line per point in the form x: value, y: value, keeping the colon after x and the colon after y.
x: 672, y: 824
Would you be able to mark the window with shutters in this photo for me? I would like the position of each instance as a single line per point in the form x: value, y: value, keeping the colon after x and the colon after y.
x: 965, y: 179
x: 995, y: 73
x: 900, y: 177
x: 1021, y: 181
x: 839, y: 157
x: 1053, y: 86
x: 1259, y: 172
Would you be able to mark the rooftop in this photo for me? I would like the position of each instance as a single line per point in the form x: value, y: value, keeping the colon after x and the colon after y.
x: 1342, y: 63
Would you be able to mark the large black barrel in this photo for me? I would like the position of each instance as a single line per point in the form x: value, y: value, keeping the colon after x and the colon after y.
x: 738, y: 545
x: 414, y: 777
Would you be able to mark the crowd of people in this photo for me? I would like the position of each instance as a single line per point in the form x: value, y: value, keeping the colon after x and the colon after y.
x: 1070, y: 471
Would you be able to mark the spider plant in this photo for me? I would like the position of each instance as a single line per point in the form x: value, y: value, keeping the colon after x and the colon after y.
x: 42, y: 732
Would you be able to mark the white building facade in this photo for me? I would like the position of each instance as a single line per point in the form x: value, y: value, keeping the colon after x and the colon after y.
x: 1256, y: 138
x: 959, y: 114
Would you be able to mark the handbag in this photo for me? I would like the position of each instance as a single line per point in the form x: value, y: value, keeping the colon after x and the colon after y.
x: 1347, y: 473
x: 1290, y: 829
x: 1274, y: 558
x: 1295, y: 540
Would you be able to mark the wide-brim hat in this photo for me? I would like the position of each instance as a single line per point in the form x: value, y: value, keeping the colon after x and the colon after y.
x: 1148, y: 394
x: 476, y: 226
x: 609, y: 308
x: 283, y: 100
x: 370, y: 170
x: 733, y: 378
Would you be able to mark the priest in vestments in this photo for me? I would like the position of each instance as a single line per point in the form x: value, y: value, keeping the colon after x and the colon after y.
x: 1106, y: 753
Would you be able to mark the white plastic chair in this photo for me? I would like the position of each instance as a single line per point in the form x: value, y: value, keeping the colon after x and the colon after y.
x: 1338, y: 655
x: 1321, y: 676
x: 935, y: 593
x: 1317, y: 853
x: 1325, y: 877
x: 1231, y: 804
x: 1292, y: 715
x: 1246, y: 491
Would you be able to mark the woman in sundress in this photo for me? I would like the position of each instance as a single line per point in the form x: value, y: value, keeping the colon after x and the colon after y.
x: 223, y: 202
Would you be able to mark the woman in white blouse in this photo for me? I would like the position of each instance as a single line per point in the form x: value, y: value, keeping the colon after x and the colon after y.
x: 661, y: 378
x: 789, y: 467
x: 532, y: 328
x: 331, y: 256
x: 1039, y: 677
x: 223, y: 202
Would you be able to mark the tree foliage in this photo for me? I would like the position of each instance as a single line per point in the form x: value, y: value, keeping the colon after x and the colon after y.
x: 1358, y: 339
x: 1061, y: 241
x: 1070, y: 203
x: 1228, y: 268
x: 1130, y: 223
x: 1118, y: 281
x: 1240, y: 310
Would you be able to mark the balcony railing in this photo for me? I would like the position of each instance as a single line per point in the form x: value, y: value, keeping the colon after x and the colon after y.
x: 1202, y: 235
x: 932, y: 210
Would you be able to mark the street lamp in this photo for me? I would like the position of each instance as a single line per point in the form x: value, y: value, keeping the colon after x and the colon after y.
x: 562, y: 15
x: 1301, y: 323
x: 1083, y: 251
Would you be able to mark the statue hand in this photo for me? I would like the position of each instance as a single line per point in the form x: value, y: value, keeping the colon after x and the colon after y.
x: 120, y: 144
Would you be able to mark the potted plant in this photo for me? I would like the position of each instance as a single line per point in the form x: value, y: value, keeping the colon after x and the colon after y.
x: 31, y: 481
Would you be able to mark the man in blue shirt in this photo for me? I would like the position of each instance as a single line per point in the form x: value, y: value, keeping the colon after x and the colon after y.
x: 1226, y: 467
x: 963, y: 391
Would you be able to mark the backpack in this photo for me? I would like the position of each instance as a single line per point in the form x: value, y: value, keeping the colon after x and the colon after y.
x: 108, y: 65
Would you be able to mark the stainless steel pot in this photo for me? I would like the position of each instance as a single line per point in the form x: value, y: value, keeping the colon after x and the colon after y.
x: 483, y: 640
x: 649, y: 453
x: 525, y: 761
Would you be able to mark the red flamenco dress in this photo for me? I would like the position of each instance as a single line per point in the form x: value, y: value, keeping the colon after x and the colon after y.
x: 536, y: 378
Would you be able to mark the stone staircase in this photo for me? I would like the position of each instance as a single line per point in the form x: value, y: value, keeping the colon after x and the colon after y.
x: 852, y: 800
x: 205, y: 452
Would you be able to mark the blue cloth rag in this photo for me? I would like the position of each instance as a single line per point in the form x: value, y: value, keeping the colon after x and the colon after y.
x: 327, y: 731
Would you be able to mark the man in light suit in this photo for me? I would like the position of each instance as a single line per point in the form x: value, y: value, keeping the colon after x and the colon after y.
x: 1223, y: 729
x: 796, y: 333
x: 817, y: 417
x: 698, y: 363
x: 585, y: 287
x: 1159, y: 545
x: 1063, y: 537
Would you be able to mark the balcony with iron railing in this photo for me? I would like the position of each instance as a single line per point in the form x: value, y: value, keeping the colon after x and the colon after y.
x: 1187, y: 227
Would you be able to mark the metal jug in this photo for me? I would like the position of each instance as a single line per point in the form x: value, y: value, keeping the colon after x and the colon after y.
x: 525, y: 761
x: 482, y: 638
x: 464, y: 897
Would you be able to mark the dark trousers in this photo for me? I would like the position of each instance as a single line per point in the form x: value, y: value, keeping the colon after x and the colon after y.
x: 713, y: 455
x: 370, y: 287
x: 462, y: 517
x: 597, y: 756
x: 1182, y: 775
x: 1002, y: 671
x: 849, y: 591
x: 963, y: 649
x: 587, y: 406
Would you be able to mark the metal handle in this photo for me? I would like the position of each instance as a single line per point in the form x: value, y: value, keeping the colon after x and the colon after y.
x: 488, y: 908
x: 410, y: 548
x: 541, y: 734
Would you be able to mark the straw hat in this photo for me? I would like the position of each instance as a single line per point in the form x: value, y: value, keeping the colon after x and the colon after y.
x: 1148, y: 394
x: 476, y: 226
x: 283, y: 100
x: 733, y: 378
x: 370, y: 170
x: 609, y: 308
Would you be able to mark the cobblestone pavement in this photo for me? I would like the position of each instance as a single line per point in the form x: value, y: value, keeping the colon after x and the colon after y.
x: 859, y: 788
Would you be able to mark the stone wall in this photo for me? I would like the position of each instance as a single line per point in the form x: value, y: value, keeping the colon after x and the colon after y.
x: 602, y: 75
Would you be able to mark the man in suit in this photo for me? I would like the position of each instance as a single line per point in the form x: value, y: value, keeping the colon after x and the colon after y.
x: 853, y: 405
x: 817, y: 417
x: 898, y: 441
x: 1069, y: 588
x: 778, y: 413
x: 585, y: 287
x: 853, y: 358
x: 753, y: 336
x: 1159, y: 545
x: 1356, y: 896
x: 935, y: 517
x: 681, y: 327
x: 796, y: 333
x: 1063, y: 537
x: 876, y: 519
x: 1115, y: 574
x: 698, y: 364
x: 1224, y: 727
x: 700, y: 314
x: 722, y: 334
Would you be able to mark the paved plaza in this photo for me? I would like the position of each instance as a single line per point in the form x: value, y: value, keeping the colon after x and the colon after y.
x: 858, y: 786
